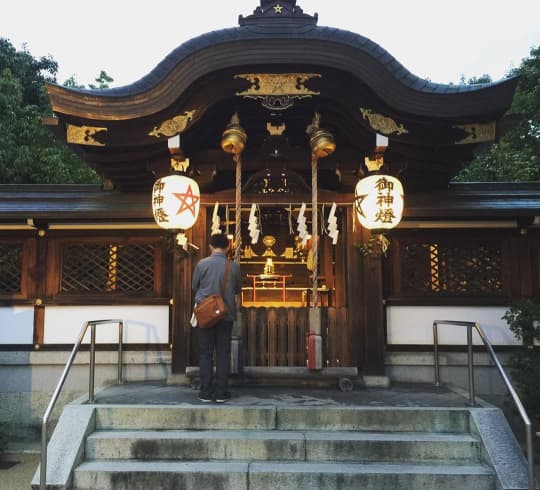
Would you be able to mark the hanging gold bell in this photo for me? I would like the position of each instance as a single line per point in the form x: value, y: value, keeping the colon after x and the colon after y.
x: 322, y: 143
x: 234, y: 138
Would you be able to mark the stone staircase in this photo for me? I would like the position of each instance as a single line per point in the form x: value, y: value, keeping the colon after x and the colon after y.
x: 277, y: 447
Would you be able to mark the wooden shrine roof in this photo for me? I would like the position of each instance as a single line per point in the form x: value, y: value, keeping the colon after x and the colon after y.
x: 280, y: 67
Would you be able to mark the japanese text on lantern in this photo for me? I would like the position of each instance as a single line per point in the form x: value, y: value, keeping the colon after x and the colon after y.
x: 385, y: 201
x: 159, y: 213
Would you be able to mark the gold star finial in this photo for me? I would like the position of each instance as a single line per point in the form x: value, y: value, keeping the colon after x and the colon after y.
x: 278, y: 9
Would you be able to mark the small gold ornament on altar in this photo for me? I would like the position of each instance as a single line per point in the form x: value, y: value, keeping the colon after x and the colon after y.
x: 269, y: 241
x: 269, y: 267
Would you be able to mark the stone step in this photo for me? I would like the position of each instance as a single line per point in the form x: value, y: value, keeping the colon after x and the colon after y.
x: 282, y: 445
x: 230, y: 416
x: 228, y: 475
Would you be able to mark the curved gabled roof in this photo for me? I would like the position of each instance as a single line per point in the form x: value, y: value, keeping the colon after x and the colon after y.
x: 359, y: 87
x: 293, y: 39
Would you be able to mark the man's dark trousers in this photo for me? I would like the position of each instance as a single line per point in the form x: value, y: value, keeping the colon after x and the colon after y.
x: 218, y: 338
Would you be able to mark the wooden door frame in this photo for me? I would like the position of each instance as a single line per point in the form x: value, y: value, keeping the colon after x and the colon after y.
x: 364, y: 299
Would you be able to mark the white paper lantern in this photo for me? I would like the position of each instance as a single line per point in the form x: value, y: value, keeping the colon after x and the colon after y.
x: 176, y: 200
x: 379, y: 201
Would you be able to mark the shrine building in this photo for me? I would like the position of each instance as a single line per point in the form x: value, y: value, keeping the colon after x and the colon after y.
x: 276, y: 121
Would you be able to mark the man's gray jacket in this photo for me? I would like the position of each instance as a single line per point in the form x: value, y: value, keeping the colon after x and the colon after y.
x: 207, y: 279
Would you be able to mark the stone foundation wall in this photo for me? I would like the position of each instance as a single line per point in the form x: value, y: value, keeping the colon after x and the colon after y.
x: 28, y: 380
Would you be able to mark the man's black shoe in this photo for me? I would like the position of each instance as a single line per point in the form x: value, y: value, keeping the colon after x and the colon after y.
x: 223, y: 397
x: 205, y: 397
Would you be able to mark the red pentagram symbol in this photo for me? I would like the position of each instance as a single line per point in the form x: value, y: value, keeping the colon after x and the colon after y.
x: 188, y: 200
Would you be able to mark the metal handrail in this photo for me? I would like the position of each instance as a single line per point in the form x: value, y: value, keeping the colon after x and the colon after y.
x: 504, y: 376
x: 52, y: 403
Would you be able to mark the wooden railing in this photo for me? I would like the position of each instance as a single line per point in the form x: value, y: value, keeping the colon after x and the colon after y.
x: 277, y: 336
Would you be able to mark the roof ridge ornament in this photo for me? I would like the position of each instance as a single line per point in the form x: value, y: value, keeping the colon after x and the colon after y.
x: 272, y: 13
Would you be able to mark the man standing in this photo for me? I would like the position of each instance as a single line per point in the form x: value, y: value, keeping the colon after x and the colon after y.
x: 207, y: 280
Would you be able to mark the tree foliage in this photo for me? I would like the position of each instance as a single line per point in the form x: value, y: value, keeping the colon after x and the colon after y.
x: 516, y: 156
x: 29, y: 152
x: 523, y: 318
x: 103, y: 79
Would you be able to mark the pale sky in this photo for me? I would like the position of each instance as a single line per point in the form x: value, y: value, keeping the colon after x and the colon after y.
x: 432, y: 38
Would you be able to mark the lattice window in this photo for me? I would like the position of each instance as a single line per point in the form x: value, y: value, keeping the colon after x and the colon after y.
x: 108, y: 268
x: 452, y: 269
x: 10, y: 268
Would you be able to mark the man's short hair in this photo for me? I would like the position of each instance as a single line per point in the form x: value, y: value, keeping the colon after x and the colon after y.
x: 219, y: 241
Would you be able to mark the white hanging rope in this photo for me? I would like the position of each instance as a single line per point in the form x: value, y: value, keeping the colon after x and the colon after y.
x: 253, y: 225
x: 301, y: 225
x: 215, y: 230
x: 333, y: 231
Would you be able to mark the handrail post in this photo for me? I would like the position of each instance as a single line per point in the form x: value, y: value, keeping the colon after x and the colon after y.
x: 48, y: 411
x: 120, y: 340
x: 436, y: 353
x: 530, y: 455
x: 472, y: 397
x: 92, y: 362
x: 504, y: 376
x: 43, y: 465
x: 54, y: 398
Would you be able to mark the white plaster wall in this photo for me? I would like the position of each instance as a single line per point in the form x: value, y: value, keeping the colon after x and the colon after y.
x: 17, y: 325
x: 142, y: 324
x: 414, y: 324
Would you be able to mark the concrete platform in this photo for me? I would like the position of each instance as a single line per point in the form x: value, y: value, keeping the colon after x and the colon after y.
x: 398, y: 395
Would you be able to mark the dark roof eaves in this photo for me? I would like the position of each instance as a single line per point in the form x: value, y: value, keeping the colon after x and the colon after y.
x: 494, y: 200
x: 329, y: 34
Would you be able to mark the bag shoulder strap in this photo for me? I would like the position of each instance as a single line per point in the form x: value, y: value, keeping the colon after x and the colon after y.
x: 224, y: 282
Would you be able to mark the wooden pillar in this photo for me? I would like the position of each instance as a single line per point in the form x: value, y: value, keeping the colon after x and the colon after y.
x: 179, y: 344
x: 36, y: 255
x: 182, y: 297
x: 353, y: 283
x: 517, y: 266
x: 340, y: 258
x: 365, y: 305
x: 373, y: 312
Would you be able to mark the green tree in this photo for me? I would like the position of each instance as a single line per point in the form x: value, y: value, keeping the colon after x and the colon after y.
x: 29, y: 153
x: 516, y: 156
x: 523, y: 318
x: 71, y: 82
x: 103, y: 79
x: 485, y: 78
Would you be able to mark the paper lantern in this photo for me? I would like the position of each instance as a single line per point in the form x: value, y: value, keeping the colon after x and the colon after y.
x: 176, y: 201
x: 379, y: 201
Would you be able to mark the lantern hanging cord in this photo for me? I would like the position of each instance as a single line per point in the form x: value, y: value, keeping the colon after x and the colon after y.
x: 260, y: 218
x: 324, y: 230
x: 291, y: 228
